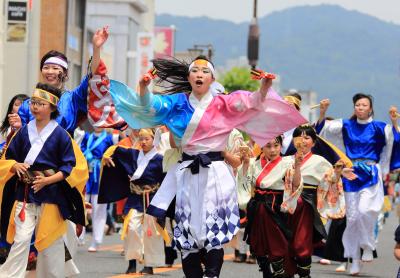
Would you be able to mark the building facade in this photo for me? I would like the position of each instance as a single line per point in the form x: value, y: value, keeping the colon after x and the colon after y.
x: 127, y: 19
x: 46, y: 25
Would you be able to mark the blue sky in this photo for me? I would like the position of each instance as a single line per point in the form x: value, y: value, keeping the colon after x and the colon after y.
x: 241, y: 10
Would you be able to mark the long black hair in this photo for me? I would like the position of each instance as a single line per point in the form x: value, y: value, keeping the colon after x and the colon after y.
x: 5, y: 124
x: 53, y: 90
x: 359, y: 96
x: 63, y: 77
x: 174, y: 72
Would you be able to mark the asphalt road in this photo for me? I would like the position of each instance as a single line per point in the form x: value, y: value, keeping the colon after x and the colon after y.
x: 108, y: 262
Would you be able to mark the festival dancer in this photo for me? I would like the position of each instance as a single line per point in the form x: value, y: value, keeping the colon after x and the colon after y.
x: 54, y: 72
x: 48, y: 172
x: 136, y: 174
x: 236, y: 151
x: 368, y: 143
x: 6, y: 129
x: 321, y: 196
x: 267, y: 232
x: 93, y: 146
x: 72, y: 104
x: 6, y: 133
x: 201, y: 124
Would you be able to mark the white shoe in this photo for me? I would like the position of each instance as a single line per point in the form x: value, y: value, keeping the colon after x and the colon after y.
x: 92, y: 248
x: 355, y: 267
x: 324, y: 262
x: 341, y: 268
x: 367, y: 256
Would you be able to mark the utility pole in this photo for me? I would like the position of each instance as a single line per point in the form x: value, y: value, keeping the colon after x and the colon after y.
x: 253, y: 39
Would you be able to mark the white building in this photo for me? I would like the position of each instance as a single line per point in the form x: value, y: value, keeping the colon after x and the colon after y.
x: 126, y: 19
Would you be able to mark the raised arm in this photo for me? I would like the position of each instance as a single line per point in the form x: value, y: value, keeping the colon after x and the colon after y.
x: 98, y: 40
x: 266, y: 84
x: 394, y: 115
x: 324, y: 104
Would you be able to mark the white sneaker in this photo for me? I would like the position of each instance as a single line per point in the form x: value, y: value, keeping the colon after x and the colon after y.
x: 355, y: 267
x: 341, y: 268
x: 367, y: 256
x: 92, y: 248
x: 324, y: 262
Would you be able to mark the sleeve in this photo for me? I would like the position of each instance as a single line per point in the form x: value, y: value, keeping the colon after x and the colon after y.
x: 171, y: 157
x: 395, y: 154
x: 78, y: 174
x: 10, y: 157
x: 67, y: 155
x: 332, y: 127
x: 101, y: 109
x: 78, y: 135
x: 114, y: 181
x: 141, y: 111
x: 83, y: 144
x: 330, y: 196
x: 79, y: 95
x: 245, y: 183
x: 25, y: 113
x: 332, y: 132
x: 290, y: 196
x: 235, y: 140
x: 165, y: 194
x: 387, y: 160
x: 262, y: 118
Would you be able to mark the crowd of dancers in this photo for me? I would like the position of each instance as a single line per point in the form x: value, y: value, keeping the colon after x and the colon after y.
x: 191, y: 169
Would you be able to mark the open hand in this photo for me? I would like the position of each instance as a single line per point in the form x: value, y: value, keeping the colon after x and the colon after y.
x: 20, y: 169
x: 100, y: 37
x: 109, y: 162
x: 349, y: 174
x: 39, y: 183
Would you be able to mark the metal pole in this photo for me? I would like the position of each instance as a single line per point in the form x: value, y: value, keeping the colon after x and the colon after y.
x: 253, y: 39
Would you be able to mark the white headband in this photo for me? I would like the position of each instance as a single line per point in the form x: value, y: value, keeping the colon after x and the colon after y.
x: 56, y: 61
x: 204, y: 63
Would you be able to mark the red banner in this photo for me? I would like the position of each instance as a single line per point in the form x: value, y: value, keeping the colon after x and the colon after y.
x: 163, y: 41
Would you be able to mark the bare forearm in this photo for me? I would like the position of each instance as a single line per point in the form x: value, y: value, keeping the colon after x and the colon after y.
x: 57, y: 177
x: 321, y: 117
x: 395, y: 125
x: 142, y: 90
x: 95, y: 59
x: 296, y: 178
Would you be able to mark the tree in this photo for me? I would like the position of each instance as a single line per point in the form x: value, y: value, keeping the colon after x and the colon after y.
x: 239, y: 79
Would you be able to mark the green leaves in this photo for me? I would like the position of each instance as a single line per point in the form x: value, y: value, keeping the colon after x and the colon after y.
x: 239, y: 79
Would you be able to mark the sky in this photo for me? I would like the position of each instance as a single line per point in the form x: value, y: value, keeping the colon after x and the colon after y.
x: 242, y: 10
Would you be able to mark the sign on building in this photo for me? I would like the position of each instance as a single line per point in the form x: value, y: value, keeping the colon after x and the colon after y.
x: 17, y: 12
x: 163, y: 41
x: 145, y: 53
